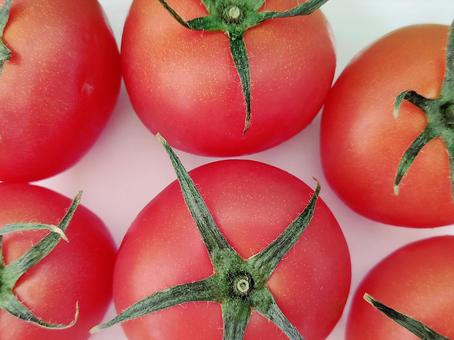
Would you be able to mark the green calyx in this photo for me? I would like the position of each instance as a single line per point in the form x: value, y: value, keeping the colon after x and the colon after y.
x: 234, y: 18
x: 239, y: 285
x: 440, y: 118
x: 5, y: 52
x: 11, y: 273
x: 417, y: 328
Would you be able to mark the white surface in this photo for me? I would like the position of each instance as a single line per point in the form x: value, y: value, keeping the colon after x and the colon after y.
x: 127, y: 167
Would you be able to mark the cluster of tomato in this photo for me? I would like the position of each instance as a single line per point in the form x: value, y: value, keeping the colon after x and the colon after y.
x: 239, y: 77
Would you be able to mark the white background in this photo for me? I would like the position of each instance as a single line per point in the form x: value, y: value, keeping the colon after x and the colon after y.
x: 127, y: 167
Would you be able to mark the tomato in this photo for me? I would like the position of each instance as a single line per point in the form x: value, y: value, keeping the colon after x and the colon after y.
x: 362, y: 144
x: 78, y: 271
x: 59, y: 87
x: 183, y: 83
x: 252, y: 203
x: 415, y: 280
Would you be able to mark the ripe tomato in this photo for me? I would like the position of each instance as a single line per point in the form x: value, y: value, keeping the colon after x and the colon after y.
x: 417, y: 281
x: 362, y: 144
x: 184, y: 84
x: 80, y: 270
x: 58, y: 89
x: 252, y: 204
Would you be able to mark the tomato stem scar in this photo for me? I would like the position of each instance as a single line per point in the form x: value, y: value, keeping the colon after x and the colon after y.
x: 234, y: 18
x: 440, y: 118
x: 239, y: 285
x: 417, y: 328
x: 11, y: 273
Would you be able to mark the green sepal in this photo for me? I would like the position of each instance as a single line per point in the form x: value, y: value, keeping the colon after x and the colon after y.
x: 411, y: 96
x: 175, y: 15
x: 235, y: 314
x: 208, y: 23
x: 11, y: 273
x: 13, y: 306
x: 268, y: 259
x: 195, y: 291
x: 239, y: 55
x: 410, y: 155
x: 211, y: 235
x: 266, y: 305
x: 448, y: 83
x: 257, y: 4
x: 5, y: 52
x: 450, y: 146
x: 20, y: 227
x: 43, y: 248
x: 417, y: 328
x: 210, y: 5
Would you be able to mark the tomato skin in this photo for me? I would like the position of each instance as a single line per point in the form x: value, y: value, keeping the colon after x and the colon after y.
x: 80, y: 270
x: 183, y: 84
x: 415, y: 280
x: 362, y: 144
x: 59, y: 88
x: 252, y: 204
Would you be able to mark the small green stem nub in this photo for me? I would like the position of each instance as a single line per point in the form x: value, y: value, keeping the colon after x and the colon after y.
x: 234, y: 13
x: 239, y: 285
x: 417, y: 328
x: 440, y: 117
x: 5, y: 52
x: 10, y: 274
x: 234, y: 19
x: 243, y: 286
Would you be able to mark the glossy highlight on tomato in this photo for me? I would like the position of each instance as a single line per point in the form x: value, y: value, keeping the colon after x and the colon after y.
x: 362, y: 143
x: 78, y: 271
x: 59, y: 87
x: 184, y: 84
x: 417, y: 281
x: 252, y: 203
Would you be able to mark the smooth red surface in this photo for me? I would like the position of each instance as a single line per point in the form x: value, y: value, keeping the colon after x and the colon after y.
x: 362, y: 144
x: 415, y: 280
x: 59, y: 88
x: 252, y: 203
x: 80, y: 270
x: 184, y: 84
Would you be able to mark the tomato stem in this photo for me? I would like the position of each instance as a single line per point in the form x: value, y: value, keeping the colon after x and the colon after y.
x: 11, y: 273
x: 440, y: 116
x: 417, y: 328
x: 235, y: 17
x: 5, y: 52
x: 238, y: 285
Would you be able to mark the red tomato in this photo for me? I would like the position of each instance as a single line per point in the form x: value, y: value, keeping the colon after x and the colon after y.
x: 252, y: 203
x: 362, y: 144
x: 80, y: 270
x: 417, y: 281
x: 58, y: 89
x: 184, y: 84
